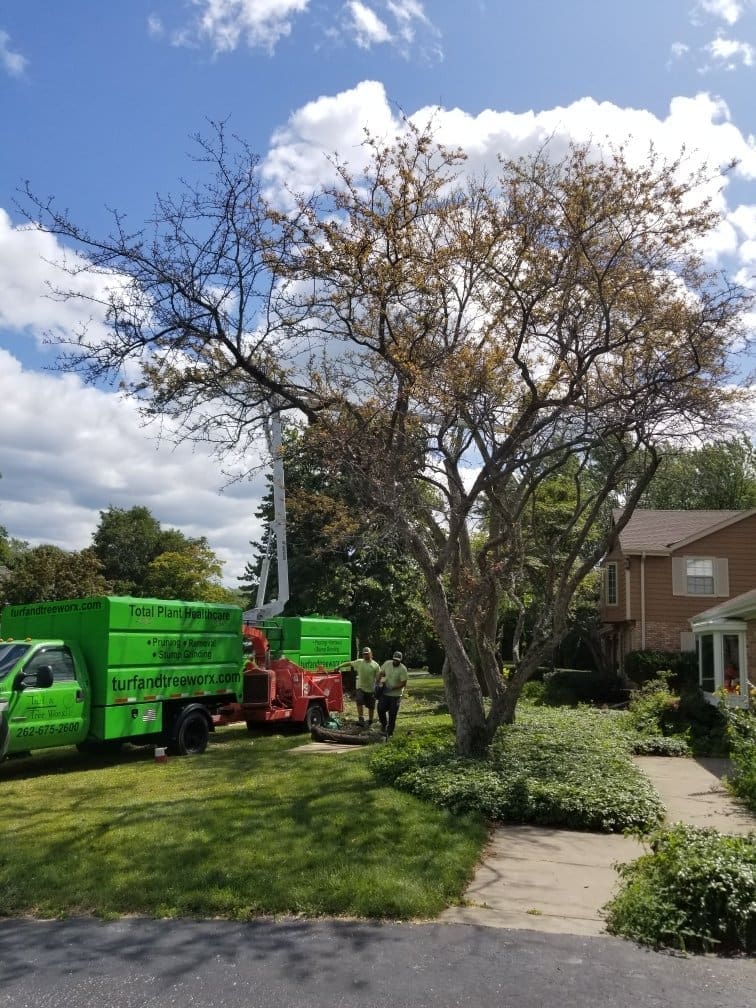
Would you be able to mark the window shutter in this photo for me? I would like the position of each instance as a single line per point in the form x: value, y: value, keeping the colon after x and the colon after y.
x: 687, y: 641
x: 679, y: 571
x: 721, y: 577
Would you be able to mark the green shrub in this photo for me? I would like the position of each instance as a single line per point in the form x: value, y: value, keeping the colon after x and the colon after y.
x: 695, y: 891
x: 405, y: 752
x: 567, y: 687
x: 652, y: 708
x: 660, y: 745
x: 742, y: 781
x: 706, y: 726
x: 640, y: 666
x: 534, y: 692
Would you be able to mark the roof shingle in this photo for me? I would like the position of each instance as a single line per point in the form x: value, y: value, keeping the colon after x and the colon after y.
x: 660, y: 530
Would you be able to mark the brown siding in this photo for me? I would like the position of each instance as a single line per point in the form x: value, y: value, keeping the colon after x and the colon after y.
x: 751, y: 650
x: 667, y: 615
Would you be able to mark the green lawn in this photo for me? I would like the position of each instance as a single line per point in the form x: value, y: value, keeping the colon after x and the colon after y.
x: 250, y: 829
x: 246, y: 829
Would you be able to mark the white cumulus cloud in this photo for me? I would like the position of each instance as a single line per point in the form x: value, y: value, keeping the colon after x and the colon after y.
x: 227, y: 23
x: 728, y: 10
x: 337, y: 124
x: 731, y: 53
x: 10, y: 60
x: 366, y: 26
x: 68, y: 451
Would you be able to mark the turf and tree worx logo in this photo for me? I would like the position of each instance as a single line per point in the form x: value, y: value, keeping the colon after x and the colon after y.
x: 171, y: 680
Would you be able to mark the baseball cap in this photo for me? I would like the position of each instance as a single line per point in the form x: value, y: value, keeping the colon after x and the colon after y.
x: 366, y: 650
x: 398, y: 654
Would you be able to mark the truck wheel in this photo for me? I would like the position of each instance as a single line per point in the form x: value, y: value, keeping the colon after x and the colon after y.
x: 193, y: 734
x: 316, y: 716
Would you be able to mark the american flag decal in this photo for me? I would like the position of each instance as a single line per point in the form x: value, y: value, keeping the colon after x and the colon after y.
x: 150, y: 714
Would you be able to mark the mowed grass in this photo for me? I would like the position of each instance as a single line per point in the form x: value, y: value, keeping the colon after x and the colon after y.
x: 247, y: 829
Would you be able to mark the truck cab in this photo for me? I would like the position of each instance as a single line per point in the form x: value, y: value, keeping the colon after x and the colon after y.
x: 44, y: 695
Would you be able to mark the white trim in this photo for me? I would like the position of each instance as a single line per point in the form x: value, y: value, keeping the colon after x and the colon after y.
x: 717, y: 629
x: 643, y: 600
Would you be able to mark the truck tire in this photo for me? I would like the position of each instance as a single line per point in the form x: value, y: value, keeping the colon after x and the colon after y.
x: 191, y: 734
x: 316, y: 716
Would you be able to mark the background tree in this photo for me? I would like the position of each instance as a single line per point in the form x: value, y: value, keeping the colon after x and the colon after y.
x: 11, y: 549
x: 541, y: 542
x: 125, y: 541
x: 192, y: 574
x: 717, y: 476
x: 47, y: 573
x: 464, y: 336
x: 141, y: 558
x: 341, y: 561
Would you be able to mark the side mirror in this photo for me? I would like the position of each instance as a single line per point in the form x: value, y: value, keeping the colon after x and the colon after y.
x: 44, y: 675
x: 42, y: 678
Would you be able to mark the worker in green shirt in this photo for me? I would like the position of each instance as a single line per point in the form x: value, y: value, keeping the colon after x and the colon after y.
x: 367, y: 671
x: 393, y: 678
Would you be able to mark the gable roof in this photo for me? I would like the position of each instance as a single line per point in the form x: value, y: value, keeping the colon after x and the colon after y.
x: 661, y: 532
x: 741, y: 607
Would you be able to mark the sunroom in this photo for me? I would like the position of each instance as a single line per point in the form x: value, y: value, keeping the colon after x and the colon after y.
x: 726, y: 663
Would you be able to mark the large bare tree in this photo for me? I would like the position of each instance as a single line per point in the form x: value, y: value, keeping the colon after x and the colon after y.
x: 456, y: 343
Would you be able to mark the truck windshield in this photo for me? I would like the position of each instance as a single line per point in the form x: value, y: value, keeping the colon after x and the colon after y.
x: 9, y: 655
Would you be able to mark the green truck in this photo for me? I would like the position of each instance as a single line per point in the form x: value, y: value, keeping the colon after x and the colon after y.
x: 97, y: 672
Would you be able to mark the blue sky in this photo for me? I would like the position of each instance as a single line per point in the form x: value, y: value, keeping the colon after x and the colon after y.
x: 98, y: 102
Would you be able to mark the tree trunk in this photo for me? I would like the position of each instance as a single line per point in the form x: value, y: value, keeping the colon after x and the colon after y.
x: 463, y: 692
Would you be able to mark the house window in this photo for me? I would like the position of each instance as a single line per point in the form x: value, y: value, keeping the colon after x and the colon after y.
x: 611, y: 584
x: 722, y: 659
x: 699, y: 576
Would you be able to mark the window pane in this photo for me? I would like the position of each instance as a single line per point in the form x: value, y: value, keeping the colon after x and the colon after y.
x: 707, y: 663
x: 611, y: 584
x: 700, y: 568
x: 700, y: 585
x: 730, y: 661
x: 699, y: 576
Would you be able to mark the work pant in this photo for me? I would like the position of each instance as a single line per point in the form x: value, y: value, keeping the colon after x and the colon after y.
x: 388, y: 708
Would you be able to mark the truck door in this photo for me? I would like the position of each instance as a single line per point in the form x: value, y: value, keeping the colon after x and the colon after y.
x: 48, y: 704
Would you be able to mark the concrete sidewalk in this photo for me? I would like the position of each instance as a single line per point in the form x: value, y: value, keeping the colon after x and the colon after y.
x: 557, y: 881
x: 542, y: 879
x: 693, y: 793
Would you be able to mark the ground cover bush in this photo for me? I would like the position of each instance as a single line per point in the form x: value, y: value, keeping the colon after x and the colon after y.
x: 694, y: 891
x: 660, y: 745
x: 567, y: 768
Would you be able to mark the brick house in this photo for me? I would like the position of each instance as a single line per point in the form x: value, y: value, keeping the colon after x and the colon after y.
x: 667, y: 567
